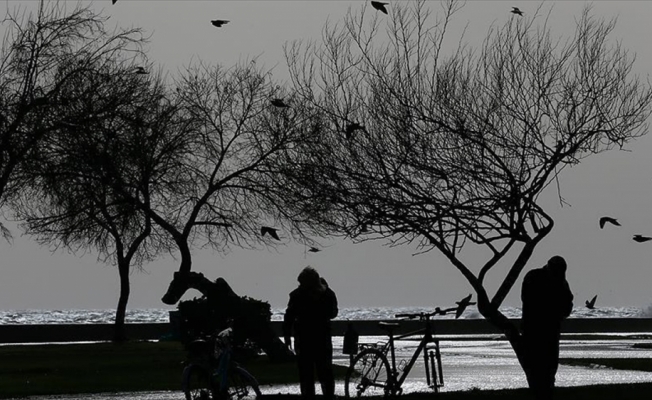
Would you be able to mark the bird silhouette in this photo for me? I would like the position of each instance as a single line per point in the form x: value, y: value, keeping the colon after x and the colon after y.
x: 219, y: 22
x: 314, y: 250
x: 444, y: 311
x: 604, y: 220
x: 271, y: 231
x: 590, y: 304
x: 515, y: 10
x: 462, y: 304
x: 380, y: 6
x: 140, y: 71
x: 279, y: 103
x: 641, y: 238
x: 352, y: 127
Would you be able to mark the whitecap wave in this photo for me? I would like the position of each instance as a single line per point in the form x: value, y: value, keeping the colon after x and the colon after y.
x: 154, y: 315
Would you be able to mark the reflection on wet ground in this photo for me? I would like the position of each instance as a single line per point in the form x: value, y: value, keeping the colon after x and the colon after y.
x: 482, y: 364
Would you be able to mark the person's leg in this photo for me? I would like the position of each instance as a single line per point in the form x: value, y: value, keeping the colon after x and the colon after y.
x: 548, y: 356
x: 306, y: 364
x: 536, y: 366
x: 324, y: 364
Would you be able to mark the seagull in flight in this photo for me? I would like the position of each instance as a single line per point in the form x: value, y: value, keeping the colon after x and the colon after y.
x: 604, y: 220
x: 445, y: 310
x: 462, y: 304
x: 641, y: 238
x: 380, y: 6
x: 517, y: 11
x: 352, y: 127
x: 590, y: 304
x: 279, y: 103
x: 219, y: 22
x: 271, y: 231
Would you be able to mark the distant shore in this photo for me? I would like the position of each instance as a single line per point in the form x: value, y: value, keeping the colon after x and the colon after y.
x: 54, y: 333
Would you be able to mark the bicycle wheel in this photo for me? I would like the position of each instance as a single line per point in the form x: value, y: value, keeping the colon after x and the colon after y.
x: 242, y: 385
x: 368, y: 375
x: 196, y: 383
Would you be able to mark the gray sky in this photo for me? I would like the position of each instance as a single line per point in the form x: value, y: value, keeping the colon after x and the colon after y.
x: 604, y: 262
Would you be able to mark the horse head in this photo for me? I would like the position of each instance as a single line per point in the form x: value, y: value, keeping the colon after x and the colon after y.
x: 181, y: 282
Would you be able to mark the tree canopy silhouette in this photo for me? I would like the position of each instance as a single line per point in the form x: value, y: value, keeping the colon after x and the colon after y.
x: 458, y: 146
x: 35, y: 49
x: 217, y: 188
x: 92, y: 127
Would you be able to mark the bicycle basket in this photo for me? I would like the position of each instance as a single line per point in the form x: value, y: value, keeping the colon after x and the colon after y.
x: 198, y: 350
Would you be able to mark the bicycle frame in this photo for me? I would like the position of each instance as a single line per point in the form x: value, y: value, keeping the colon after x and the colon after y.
x: 435, y: 379
x: 217, y: 365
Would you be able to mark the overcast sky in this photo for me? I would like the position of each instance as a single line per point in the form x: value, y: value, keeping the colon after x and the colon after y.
x: 604, y: 262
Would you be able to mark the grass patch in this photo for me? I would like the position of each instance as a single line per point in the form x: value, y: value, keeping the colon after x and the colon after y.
x: 30, y: 370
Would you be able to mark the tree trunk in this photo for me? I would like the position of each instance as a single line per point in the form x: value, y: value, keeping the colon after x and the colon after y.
x: 512, y: 333
x: 120, y: 334
x: 186, y: 256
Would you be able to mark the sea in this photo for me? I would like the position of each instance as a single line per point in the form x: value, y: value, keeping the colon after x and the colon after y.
x: 159, y: 315
x: 485, y: 363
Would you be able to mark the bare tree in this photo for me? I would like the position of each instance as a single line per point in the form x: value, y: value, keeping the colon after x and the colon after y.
x: 33, y: 49
x: 80, y: 172
x: 221, y: 194
x: 69, y: 147
x: 451, y: 151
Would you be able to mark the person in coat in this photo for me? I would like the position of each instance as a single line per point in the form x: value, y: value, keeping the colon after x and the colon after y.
x: 310, y: 309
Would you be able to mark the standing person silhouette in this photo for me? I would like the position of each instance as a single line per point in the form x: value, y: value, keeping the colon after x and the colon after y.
x: 547, y: 301
x: 310, y: 309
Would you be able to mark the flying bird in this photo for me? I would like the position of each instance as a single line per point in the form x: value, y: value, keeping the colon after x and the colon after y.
x: 219, y: 22
x: 279, y: 103
x: 314, y: 250
x: 140, y: 71
x: 352, y: 127
x: 271, y: 231
x: 604, y: 220
x: 641, y: 238
x: 462, y: 304
x: 590, y: 304
x: 515, y: 10
x: 444, y: 311
x: 380, y: 6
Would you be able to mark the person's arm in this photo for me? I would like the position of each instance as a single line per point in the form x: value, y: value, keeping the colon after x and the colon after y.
x: 526, y: 290
x: 334, y: 309
x: 332, y: 299
x: 288, y: 322
x: 566, y: 306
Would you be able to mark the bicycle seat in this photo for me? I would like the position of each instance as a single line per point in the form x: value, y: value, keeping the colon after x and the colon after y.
x: 388, y: 326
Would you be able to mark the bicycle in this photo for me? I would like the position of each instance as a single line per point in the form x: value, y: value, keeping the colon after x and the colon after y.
x: 371, y: 373
x: 213, y: 374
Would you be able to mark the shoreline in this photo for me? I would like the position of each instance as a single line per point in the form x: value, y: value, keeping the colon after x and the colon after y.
x: 463, y: 329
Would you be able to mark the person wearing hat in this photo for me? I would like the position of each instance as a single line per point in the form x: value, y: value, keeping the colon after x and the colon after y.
x: 547, y: 301
x: 310, y: 309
